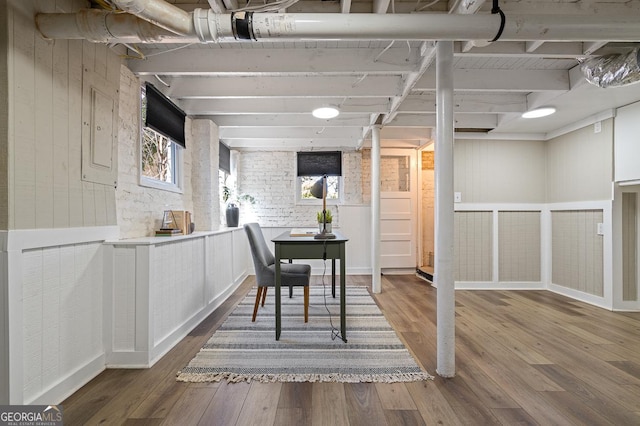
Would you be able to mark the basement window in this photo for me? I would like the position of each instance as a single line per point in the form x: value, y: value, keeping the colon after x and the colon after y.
x: 160, y: 155
x: 310, y: 167
x: 306, y: 182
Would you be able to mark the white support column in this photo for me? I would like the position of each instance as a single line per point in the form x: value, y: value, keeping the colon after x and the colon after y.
x: 444, y: 211
x: 204, y: 178
x: 376, y: 284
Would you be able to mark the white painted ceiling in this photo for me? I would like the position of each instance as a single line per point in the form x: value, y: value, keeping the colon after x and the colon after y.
x: 261, y: 94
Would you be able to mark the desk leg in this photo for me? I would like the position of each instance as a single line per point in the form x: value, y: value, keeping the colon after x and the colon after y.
x: 278, y: 283
x: 333, y: 277
x: 290, y: 287
x: 343, y: 296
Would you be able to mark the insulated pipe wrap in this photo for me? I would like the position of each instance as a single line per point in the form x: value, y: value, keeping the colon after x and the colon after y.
x: 160, y: 13
x: 613, y: 70
x: 100, y: 26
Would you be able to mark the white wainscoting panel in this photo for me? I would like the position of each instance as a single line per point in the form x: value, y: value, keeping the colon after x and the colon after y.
x: 54, y: 312
x: 165, y: 286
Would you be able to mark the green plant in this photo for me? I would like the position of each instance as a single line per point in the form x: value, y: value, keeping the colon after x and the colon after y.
x: 229, y: 196
x: 329, y: 217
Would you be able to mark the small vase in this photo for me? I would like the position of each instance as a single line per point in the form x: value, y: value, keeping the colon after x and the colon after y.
x: 233, y: 215
x: 322, y: 228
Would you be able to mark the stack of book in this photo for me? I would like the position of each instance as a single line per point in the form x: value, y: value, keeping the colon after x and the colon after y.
x: 167, y: 232
x: 175, y: 222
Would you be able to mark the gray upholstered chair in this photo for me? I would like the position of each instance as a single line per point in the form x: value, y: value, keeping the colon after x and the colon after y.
x: 292, y: 274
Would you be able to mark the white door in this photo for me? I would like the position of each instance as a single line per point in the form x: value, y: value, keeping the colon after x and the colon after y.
x: 398, y: 208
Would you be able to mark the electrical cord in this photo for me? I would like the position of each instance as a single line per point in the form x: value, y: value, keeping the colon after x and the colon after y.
x: 335, y: 332
x: 496, y: 9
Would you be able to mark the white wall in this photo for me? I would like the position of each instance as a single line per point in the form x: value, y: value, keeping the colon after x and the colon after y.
x: 163, y: 287
x: 500, y: 171
x: 45, y: 96
x: 52, y: 265
x: 580, y: 165
x: 568, y: 177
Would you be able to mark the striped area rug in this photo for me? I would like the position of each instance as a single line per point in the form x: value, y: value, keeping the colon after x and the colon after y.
x: 243, y: 351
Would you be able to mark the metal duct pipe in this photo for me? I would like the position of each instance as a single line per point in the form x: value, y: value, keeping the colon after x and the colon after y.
x: 160, y: 13
x: 101, y: 26
x: 211, y: 27
x: 613, y: 70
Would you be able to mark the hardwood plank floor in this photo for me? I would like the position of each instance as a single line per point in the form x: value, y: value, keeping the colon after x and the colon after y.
x: 522, y: 357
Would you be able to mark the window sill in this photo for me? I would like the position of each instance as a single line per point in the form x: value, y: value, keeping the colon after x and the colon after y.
x: 163, y: 186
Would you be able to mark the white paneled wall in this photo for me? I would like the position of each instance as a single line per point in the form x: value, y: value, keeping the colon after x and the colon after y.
x: 578, y: 251
x: 519, y: 246
x: 162, y: 287
x: 62, y: 313
x: 473, y: 246
x: 176, y: 284
x: 45, y: 95
x: 55, y: 298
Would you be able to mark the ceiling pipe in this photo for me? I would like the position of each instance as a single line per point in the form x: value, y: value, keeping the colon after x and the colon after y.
x: 211, y: 27
x: 102, y: 26
x: 160, y: 13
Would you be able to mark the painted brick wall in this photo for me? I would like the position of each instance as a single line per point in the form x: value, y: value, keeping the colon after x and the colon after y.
x: 270, y: 178
x: 140, y: 208
x: 428, y: 208
x: 392, y: 174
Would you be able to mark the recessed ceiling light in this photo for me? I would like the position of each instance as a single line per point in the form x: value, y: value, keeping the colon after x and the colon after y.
x: 325, y: 112
x: 539, y: 112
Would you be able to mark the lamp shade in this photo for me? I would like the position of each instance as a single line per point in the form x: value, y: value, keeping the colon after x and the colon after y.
x: 317, y: 188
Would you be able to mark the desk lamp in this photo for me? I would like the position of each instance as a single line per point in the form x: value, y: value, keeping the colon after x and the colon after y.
x: 320, y: 163
x: 319, y: 190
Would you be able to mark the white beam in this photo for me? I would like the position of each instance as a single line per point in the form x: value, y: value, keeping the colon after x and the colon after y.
x: 473, y: 121
x: 468, y: 103
x: 318, y: 133
x: 589, y: 48
x: 282, y: 86
x: 532, y: 46
x: 279, y: 120
x: 293, y: 144
x: 279, y: 106
x: 287, y: 61
x: 380, y: 6
x: 428, y: 53
x: 414, y: 133
x: 501, y: 80
x: 345, y: 6
x: 559, y: 50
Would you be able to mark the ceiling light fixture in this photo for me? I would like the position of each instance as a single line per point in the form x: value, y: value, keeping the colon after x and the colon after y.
x: 326, y: 112
x: 539, y: 112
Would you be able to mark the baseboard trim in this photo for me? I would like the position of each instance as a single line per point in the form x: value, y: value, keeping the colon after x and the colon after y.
x: 70, y: 384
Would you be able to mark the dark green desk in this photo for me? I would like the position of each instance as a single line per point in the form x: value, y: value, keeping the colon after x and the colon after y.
x: 288, y: 247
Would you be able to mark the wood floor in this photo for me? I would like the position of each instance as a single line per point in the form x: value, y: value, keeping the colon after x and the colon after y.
x: 522, y: 357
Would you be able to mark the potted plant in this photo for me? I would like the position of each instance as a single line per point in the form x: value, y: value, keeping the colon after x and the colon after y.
x: 328, y: 219
x: 234, y: 201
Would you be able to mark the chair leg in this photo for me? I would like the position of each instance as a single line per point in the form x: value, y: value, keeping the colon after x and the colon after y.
x: 306, y: 303
x: 255, y: 307
x: 264, y: 295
